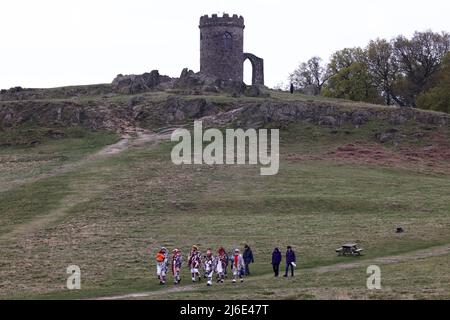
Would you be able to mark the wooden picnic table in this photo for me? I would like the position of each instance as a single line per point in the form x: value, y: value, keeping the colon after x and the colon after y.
x: 349, y: 249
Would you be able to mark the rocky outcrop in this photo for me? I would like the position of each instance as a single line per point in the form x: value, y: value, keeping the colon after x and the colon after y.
x: 197, y: 83
x: 56, y: 114
x: 327, y: 114
x: 142, y: 111
x: 174, y: 110
x: 189, y: 83
x: 132, y: 84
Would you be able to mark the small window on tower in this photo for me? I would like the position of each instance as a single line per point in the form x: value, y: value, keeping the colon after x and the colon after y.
x: 227, y: 40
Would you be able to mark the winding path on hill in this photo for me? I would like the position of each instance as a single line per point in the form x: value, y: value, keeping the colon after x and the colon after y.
x: 409, y: 256
x: 132, y: 137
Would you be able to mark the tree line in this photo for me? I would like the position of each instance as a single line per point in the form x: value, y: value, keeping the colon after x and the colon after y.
x: 412, y: 72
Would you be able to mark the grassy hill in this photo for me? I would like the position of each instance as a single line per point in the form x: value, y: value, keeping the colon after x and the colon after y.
x: 63, y: 202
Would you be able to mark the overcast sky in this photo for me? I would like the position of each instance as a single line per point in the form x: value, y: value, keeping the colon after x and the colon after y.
x: 50, y: 43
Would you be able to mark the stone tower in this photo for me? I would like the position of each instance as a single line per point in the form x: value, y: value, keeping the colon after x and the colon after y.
x: 222, y: 49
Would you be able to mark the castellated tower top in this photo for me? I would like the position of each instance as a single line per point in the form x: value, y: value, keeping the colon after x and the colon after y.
x: 222, y: 49
x: 222, y: 46
x: 225, y: 20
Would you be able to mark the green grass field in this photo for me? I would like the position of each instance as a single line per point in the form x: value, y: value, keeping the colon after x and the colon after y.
x: 57, y: 209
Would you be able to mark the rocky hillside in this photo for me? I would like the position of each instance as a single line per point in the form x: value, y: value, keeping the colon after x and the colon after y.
x: 153, y: 101
x: 156, y: 110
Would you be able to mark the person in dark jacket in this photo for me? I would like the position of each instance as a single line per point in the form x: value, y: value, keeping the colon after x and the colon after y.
x: 276, y: 260
x: 227, y: 261
x: 248, y: 258
x: 291, y: 89
x: 290, y: 261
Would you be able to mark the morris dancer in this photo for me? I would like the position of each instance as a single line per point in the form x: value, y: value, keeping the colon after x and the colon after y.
x: 162, y: 258
x: 221, y: 264
x: 209, y: 267
x: 195, y: 261
x: 177, y: 261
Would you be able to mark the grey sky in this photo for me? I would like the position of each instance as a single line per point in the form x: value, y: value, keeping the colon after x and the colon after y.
x: 50, y: 43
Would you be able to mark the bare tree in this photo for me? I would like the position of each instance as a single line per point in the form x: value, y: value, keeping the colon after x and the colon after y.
x: 383, y: 67
x: 310, y: 73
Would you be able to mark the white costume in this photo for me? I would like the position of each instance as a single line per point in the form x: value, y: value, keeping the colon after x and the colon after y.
x: 237, y: 266
x: 219, y: 269
x: 195, y: 261
x: 209, y: 269
x: 161, y: 269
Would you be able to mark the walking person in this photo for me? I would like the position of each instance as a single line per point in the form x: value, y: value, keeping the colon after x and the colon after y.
x: 238, y: 266
x: 276, y: 260
x: 291, y: 89
x: 290, y: 261
x: 221, y: 264
x: 177, y: 261
x: 248, y: 258
x: 227, y: 261
x: 162, y: 260
x: 194, y: 262
x: 209, y: 266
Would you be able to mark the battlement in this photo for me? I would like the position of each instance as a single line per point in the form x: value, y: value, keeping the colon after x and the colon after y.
x: 225, y: 20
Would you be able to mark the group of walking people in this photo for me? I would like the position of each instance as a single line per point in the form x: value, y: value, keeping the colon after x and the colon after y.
x: 210, y: 264
x: 204, y: 266
x: 290, y: 261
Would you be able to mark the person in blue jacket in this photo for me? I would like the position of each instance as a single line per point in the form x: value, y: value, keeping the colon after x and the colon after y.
x: 248, y: 258
x: 276, y: 260
x: 290, y: 261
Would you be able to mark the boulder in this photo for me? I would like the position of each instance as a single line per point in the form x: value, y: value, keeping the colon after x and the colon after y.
x: 189, y: 80
x: 131, y: 84
x: 327, y: 121
x: 177, y: 109
x: 360, y: 117
x: 310, y: 90
x: 386, y: 137
x: 197, y: 83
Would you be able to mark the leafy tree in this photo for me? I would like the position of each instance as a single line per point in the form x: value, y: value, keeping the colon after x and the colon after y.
x: 391, y: 72
x: 419, y: 59
x: 344, y: 59
x: 349, y: 77
x: 353, y: 83
x: 438, y: 97
x: 309, y: 74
